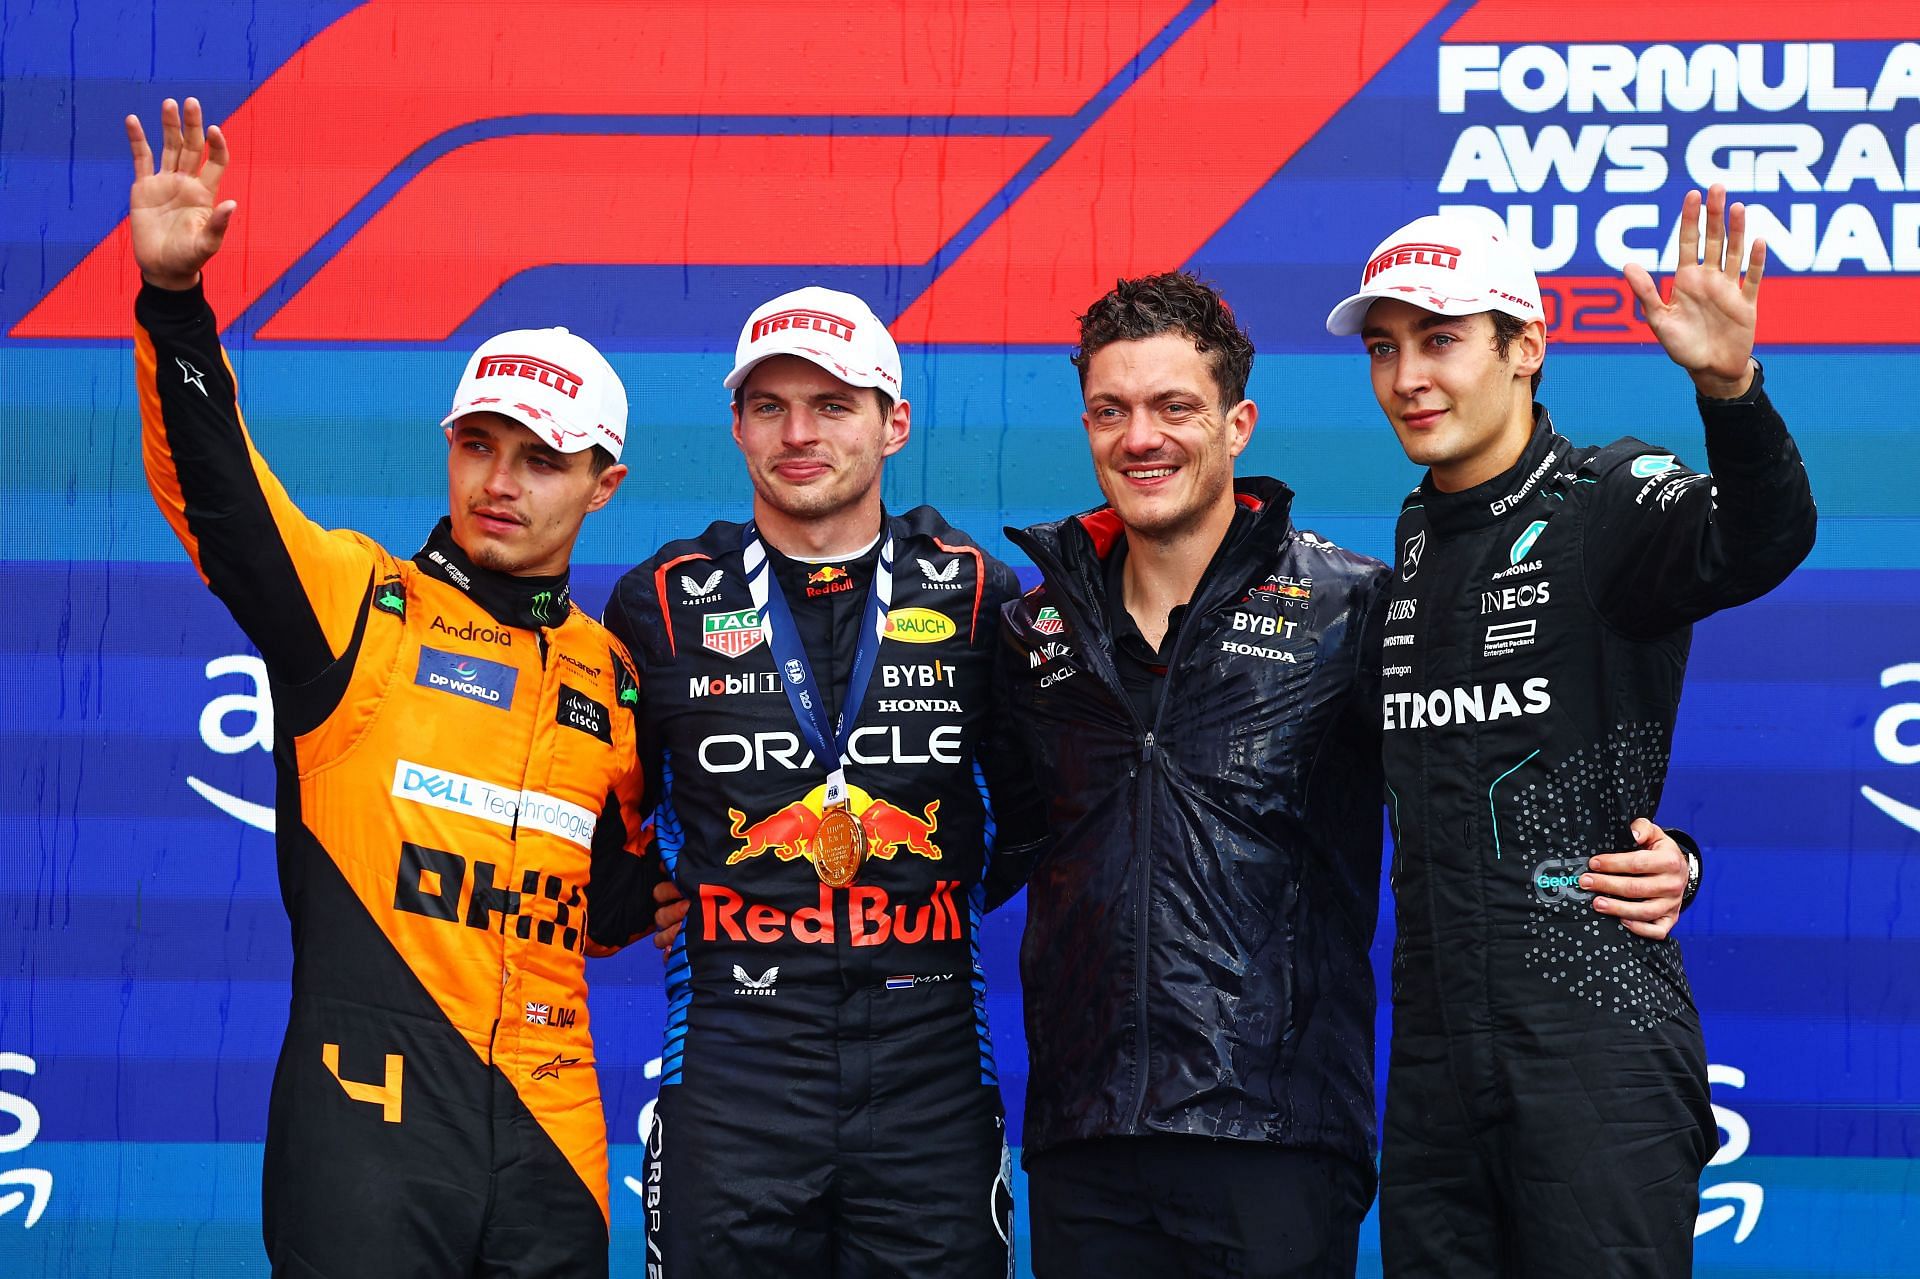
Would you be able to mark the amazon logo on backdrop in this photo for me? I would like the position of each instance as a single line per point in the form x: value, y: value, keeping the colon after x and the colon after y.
x: 1894, y: 748
x: 232, y: 723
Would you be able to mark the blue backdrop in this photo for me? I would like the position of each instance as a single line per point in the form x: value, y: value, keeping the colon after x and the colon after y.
x: 143, y: 950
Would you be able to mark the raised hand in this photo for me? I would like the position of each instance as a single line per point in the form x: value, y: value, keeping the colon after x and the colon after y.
x: 174, y: 211
x: 1707, y: 324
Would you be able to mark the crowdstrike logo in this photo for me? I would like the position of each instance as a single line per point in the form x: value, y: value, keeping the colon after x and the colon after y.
x: 1892, y: 747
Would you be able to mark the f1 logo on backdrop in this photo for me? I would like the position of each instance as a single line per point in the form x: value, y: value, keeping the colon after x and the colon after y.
x: 1026, y: 154
x: 1894, y: 748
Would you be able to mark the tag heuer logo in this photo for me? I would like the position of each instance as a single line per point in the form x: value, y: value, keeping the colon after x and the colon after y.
x: 1048, y: 621
x: 731, y: 634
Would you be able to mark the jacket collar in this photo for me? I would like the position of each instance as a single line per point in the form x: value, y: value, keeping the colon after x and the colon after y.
x: 527, y: 602
x: 1489, y: 503
x: 1072, y: 552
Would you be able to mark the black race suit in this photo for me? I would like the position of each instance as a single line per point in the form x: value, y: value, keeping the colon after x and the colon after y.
x: 1547, y: 1108
x: 828, y: 1101
x: 1195, y: 961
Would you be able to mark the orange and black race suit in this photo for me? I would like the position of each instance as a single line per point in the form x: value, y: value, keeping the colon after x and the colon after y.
x: 447, y: 742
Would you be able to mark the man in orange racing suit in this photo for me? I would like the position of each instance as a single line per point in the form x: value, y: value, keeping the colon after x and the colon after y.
x: 450, y: 732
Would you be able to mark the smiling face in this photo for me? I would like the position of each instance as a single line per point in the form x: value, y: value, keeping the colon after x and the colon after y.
x: 515, y: 501
x: 813, y: 444
x: 1163, y: 446
x: 1459, y: 405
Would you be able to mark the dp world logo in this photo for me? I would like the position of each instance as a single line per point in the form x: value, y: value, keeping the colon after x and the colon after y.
x: 1895, y: 748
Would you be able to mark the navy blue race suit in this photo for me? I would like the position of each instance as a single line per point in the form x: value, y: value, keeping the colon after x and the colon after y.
x: 829, y: 1103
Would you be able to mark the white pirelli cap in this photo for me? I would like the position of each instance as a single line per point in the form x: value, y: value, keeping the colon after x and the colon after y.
x: 834, y: 330
x: 1456, y: 263
x: 552, y: 381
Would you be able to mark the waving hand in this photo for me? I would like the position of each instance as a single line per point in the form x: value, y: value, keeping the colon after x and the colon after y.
x: 1707, y: 324
x: 174, y: 211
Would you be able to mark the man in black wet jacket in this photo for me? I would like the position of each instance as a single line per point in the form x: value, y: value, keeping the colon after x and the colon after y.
x: 1195, y: 685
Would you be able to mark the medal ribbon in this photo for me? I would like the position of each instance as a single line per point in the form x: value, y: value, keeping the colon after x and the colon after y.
x: 826, y: 741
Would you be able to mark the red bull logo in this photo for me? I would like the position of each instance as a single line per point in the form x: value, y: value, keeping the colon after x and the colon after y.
x: 871, y: 917
x: 788, y: 832
x: 830, y: 579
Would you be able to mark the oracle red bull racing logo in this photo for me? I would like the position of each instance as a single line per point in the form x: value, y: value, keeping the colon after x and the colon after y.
x: 871, y: 917
x: 788, y: 832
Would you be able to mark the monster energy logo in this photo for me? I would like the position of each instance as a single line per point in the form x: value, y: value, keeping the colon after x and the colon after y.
x: 546, y: 604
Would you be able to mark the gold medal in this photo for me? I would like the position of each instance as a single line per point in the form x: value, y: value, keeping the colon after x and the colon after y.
x: 839, y: 846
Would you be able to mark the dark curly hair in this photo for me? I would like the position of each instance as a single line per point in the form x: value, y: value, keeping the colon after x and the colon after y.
x: 1175, y: 302
x: 1505, y: 329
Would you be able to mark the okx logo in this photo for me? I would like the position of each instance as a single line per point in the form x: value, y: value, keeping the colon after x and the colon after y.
x: 1893, y: 746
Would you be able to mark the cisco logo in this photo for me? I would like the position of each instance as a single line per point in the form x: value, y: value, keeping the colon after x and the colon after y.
x: 1895, y: 748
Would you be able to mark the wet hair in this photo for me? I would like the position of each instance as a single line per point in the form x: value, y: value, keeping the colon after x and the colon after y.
x: 600, y: 460
x: 1505, y: 329
x: 1174, y: 302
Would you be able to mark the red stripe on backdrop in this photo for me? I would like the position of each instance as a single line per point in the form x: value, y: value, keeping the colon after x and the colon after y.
x: 1155, y: 177
x: 390, y: 77
x: 1651, y: 21
x: 1794, y: 310
x: 490, y: 210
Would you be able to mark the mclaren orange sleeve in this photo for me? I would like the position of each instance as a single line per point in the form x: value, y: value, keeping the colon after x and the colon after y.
x: 297, y: 590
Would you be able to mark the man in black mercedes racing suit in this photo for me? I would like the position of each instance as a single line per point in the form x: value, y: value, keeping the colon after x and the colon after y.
x: 1547, y: 1105
x: 817, y: 704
